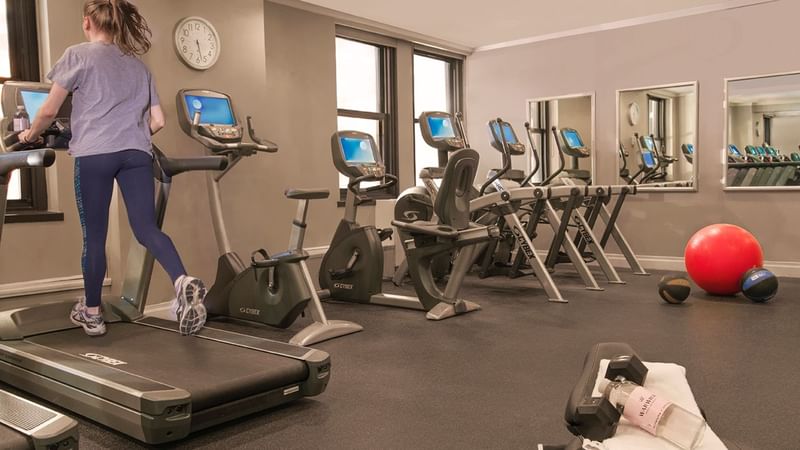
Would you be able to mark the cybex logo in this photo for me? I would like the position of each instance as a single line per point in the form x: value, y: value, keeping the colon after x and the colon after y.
x: 411, y: 215
x: 349, y: 287
x: 250, y: 311
x: 523, y: 243
x: 104, y: 359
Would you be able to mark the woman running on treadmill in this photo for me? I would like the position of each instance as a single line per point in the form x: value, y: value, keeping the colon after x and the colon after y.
x: 115, y: 110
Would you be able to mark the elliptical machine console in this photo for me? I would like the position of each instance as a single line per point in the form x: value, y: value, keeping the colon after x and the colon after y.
x: 508, y: 136
x: 573, y: 144
x: 271, y: 290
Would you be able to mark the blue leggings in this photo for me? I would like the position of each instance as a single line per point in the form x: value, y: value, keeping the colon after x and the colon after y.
x: 94, y: 184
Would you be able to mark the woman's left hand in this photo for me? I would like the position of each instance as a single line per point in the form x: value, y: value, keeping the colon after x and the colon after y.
x: 26, y: 137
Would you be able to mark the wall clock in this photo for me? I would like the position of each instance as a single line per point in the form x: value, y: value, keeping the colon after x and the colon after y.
x: 633, y: 113
x: 197, y: 43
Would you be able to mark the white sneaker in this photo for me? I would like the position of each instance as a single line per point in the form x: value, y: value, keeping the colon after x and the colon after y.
x: 190, y: 312
x: 92, y: 325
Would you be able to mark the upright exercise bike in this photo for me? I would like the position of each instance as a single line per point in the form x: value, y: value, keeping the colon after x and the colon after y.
x: 352, y: 269
x: 271, y: 290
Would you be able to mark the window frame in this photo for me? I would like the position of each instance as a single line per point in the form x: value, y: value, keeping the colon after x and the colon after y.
x: 23, y: 42
x: 660, y: 133
x: 387, y: 117
x: 455, y: 96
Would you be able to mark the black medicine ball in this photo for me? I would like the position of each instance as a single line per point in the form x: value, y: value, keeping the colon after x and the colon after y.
x: 759, y: 285
x: 674, y: 289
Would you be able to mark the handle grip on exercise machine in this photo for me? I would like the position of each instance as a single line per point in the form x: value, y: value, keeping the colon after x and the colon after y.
x: 391, y: 180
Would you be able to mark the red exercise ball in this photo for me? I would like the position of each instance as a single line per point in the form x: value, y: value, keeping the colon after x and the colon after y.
x: 718, y: 255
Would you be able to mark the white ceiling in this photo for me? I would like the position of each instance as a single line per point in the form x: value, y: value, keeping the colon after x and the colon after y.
x: 475, y: 24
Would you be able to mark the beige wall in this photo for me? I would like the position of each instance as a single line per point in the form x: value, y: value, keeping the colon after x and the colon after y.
x: 626, y: 130
x: 707, y: 48
x: 740, y: 129
x: 685, y: 133
x: 278, y: 64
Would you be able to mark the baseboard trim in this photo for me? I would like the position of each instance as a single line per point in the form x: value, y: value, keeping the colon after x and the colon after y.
x: 45, y: 286
x: 788, y: 269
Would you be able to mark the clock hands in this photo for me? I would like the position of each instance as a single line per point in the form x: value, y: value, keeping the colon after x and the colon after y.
x: 199, y: 51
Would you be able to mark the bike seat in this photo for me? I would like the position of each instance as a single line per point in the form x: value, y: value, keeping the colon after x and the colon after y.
x: 307, y: 194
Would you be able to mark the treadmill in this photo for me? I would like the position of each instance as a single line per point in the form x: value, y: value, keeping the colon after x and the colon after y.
x: 24, y: 424
x: 143, y: 378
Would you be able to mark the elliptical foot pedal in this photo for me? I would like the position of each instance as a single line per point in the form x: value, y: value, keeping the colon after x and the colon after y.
x: 446, y: 310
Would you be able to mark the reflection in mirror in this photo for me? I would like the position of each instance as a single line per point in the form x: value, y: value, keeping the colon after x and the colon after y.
x: 657, y: 130
x: 763, y: 132
x: 573, y: 119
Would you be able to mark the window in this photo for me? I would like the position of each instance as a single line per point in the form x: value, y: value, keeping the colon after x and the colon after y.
x: 5, y: 57
x: 437, y: 87
x: 657, y: 119
x: 365, y: 98
x: 19, y: 60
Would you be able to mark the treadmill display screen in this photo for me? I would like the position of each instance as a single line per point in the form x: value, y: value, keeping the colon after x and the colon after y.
x: 357, y: 151
x: 213, y: 110
x: 649, y: 144
x: 441, y: 127
x: 511, y: 137
x: 649, y: 161
x: 690, y: 148
x: 734, y: 150
x: 573, y: 139
x: 33, y: 101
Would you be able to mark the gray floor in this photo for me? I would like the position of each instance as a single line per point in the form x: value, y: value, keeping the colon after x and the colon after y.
x: 499, y: 378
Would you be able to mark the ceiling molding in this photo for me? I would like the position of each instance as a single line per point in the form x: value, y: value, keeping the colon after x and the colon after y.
x: 352, y: 21
x: 722, y: 6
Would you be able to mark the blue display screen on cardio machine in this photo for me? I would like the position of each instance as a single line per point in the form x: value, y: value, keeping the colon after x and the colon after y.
x: 690, y: 148
x: 441, y: 127
x: 734, y: 150
x: 33, y: 101
x: 357, y: 151
x: 213, y: 110
x: 649, y: 160
x: 573, y: 139
x: 649, y: 144
x: 511, y: 137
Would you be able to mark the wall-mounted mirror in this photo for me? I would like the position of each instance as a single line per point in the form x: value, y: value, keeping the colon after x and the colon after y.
x: 657, y: 135
x: 574, y: 113
x: 762, y: 137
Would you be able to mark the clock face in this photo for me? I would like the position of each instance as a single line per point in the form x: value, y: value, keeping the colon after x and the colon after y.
x: 633, y: 113
x: 197, y: 43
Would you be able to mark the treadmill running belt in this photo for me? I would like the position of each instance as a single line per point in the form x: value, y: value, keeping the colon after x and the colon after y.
x: 183, y: 362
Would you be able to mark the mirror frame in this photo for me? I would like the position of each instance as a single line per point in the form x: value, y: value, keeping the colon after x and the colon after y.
x: 592, y: 120
x: 724, y: 150
x: 696, y: 166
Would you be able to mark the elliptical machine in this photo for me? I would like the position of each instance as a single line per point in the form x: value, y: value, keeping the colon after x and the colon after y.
x: 271, y: 290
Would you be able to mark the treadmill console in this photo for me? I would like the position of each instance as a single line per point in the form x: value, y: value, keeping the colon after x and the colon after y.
x: 217, y: 118
x: 355, y: 154
x: 32, y: 96
x: 439, y: 131
x: 573, y: 143
x: 515, y: 147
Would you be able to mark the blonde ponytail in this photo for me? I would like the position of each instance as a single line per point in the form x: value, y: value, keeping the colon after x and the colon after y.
x: 121, y: 20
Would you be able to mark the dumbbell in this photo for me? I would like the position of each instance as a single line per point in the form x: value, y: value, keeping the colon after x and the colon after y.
x: 627, y: 368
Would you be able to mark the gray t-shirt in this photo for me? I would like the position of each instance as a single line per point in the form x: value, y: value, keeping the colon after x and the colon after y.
x: 111, y: 98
